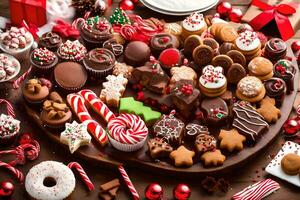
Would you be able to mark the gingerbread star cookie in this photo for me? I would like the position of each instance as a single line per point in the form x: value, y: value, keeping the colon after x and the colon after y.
x: 231, y: 140
x: 213, y: 158
x: 268, y: 110
x: 182, y: 157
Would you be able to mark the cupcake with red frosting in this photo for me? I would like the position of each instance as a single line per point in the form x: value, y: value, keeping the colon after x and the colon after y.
x: 43, y: 61
x: 9, y: 129
x: 71, y: 51
x: 127, y: 132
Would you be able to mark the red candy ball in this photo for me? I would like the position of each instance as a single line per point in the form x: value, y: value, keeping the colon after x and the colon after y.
x: 170, y: 57
x: 291, y: 127
x: 224, y: 8
x: 154, y: 192
x: 295, y: 46
x: 235, y: 15
x: 7, y: 188
x: 182, y: 192
x: 126, y: 5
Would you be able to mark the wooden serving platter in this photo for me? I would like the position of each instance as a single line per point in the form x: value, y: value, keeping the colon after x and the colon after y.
x: 110, y: 157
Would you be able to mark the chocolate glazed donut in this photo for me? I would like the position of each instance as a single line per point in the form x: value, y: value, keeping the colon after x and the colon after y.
x: 162, y: 41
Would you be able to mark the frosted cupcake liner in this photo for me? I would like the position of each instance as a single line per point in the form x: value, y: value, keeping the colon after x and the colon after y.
x: 99, y: 74
x: 126, y: 147
x: 43, y: 70
x: 68, y: 90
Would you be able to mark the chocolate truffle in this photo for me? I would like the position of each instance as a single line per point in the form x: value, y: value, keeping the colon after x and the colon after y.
x: 70, y: 76
x: 137, y: 53
x: 215, y: 111
x: 50, y: 41
x: 95, y: 31
x: 276, y: 88
x: 162, y: 41
x: 99, y: 62
x: 151, y: 76
x: 285, y: 70
x: 275, y: 49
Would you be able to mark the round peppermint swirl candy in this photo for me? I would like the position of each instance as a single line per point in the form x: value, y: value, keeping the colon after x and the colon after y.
x: 127, y: 129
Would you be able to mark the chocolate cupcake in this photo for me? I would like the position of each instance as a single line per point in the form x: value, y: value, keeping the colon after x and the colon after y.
x: 99, y: 62
x: 50, y: 41
x: 35, y: 91
x: 55, y: 112
x: 70, y: 76
x: 9, y: 130
x: 71, y: 51
x: 137, y: 53
x: 275, y: 49
x: 162, y: 41
x: 95, y: 31
x: 285, y: 70
x: 43, y: 61
x: 276, y: 88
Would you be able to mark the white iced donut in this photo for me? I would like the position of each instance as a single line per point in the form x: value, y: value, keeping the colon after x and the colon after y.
x: 50, y: 180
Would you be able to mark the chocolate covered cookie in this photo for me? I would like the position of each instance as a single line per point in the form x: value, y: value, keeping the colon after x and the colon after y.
x: 191, y: 43
x: 285, y: 70
x: 205, y: 142
x: 215, y: 111
x: 235, y: 73
x: 237, y: 57
x: 226, y: 47
x: 276, y: 88
x: 223, y: 61
x: 158, y: 148
x: 275, y: 49
x: 192, y: 130
x: 162, y: 41
x: 203, y: 55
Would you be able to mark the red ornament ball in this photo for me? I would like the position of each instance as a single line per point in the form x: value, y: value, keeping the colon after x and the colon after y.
x: 154, y: 192
x: 101, y: 5
x: 235, y: 15
x: 291, y: 127
x: 7, y: 188
x: 182, y: 192
x: 295, y: 46
x: 126, y: 5
x: 224, y: 8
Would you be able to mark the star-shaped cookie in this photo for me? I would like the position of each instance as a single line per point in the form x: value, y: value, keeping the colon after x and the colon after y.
x: 268, y: 110
x: 231, y: 140
x: 75, y: 135
x: 182, y: 157
x: 213, y: 158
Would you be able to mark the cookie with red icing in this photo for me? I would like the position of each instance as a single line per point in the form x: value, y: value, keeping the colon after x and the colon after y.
x: 170, y: 57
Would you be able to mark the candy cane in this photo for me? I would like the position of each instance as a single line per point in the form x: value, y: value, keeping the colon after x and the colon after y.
x: 9, y: 108
x: 76, y: 102
x: 257, y: 191
x: 83, y: 175
x: 15, y: 171
x: 97, y: 105
x: 17, y: 83
x: 129, y: 183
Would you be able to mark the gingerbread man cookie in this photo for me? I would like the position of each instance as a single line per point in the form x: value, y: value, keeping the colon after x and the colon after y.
x: 213, y: 158
x: 182, y: 157
x: 231, y: 140
x: 159, y: 148
x: 268, y: 110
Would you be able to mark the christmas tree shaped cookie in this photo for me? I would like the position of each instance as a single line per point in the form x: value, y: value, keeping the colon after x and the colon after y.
x: 119, y: 17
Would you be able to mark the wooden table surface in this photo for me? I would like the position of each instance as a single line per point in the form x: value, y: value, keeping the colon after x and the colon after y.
x: 239, y: 179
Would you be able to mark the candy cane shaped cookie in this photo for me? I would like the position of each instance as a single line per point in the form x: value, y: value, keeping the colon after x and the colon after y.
x: 97, y: 105
x: 76, y: 102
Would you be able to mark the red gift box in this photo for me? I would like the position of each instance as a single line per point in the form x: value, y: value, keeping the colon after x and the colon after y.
x: 32, y: 11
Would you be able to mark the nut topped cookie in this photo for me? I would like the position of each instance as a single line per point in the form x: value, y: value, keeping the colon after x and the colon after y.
x: 250, y: 89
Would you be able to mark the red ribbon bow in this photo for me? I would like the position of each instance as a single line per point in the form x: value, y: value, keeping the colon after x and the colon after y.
x: 279, y: 13
x: 32, y: 28
x: 65, y: 29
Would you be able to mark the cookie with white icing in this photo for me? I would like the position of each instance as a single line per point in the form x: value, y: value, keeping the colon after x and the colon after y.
x: 212, y: 82
x: 251, y: 89
x: 193, y: 25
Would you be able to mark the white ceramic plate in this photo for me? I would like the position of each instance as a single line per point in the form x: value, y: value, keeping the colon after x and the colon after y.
x: 176, y: 13
x: 274, y: 166
x: 18, y: 68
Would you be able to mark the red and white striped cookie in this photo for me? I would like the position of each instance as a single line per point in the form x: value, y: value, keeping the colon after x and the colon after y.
x: 127, y: 132
x: 76, y: 102
x: 257, y: 191
x: 97, y: 105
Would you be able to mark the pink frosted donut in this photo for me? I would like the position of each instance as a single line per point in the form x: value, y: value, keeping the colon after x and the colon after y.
x: 127, y: 132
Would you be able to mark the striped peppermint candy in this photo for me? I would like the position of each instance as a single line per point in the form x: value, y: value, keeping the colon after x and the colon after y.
x: 97, y: 105
x: 9, y: 108
x: 18, y: 174
x: 76, y: 102
x: 127, y: 129
x: 128, y: 182
x: 257, y: 191
x: 87, y: 181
